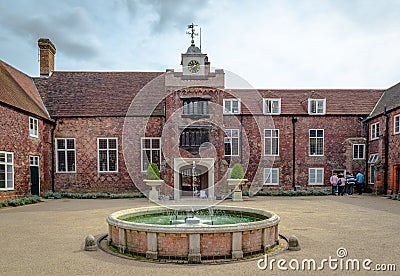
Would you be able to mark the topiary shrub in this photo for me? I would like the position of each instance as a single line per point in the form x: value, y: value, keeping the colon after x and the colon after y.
x: 237, y: 172
x: 152, y: 173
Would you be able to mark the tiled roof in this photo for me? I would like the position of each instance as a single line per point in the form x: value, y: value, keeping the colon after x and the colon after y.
x: 390, y: 98
x: 76, y: 94
x: 295, y: 101
x: 19, y: 91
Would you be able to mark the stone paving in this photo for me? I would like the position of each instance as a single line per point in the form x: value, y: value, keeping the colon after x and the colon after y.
x: 47, y: 238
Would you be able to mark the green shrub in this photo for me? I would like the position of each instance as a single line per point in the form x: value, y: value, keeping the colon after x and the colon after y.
x: 59, y: 195
x: 152, y: 173
x: 20, y: 201
x: 237, y: 172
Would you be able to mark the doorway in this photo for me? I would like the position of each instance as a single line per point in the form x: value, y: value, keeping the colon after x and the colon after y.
x: 193, y: 180
x: 396, y: 182
x: 35, y: 177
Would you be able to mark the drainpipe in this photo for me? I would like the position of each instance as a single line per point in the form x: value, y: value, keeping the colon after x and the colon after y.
x: 366, y: 178
x: 294, y: 120
x: 386, y: 165
x: 53, y: 127
x: 240, y: 138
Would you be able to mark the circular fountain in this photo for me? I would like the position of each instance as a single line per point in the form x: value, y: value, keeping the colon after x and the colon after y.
x: 193, y: 233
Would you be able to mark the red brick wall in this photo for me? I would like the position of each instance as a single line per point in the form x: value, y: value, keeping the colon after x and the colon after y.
x: 171, y: 244
x: 136, y: 241
x: 216, y: 244
x: 14, y: 137
x: 252, y: 240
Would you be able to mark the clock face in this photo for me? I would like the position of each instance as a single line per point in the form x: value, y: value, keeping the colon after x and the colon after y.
x: 193, y: 66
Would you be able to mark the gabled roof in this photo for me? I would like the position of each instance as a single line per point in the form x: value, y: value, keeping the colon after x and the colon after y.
x: 19, y: 91
x: 79, y: 94
x: 295, y: 101
x: 390, y: 98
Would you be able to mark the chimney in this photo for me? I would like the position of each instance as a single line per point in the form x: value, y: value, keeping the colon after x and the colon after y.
x: 47, y: 53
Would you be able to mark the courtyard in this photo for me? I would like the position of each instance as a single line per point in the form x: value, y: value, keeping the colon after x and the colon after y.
x: 47, y: 238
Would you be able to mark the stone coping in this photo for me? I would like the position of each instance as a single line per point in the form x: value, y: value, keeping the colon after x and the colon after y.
x: 115, y: 219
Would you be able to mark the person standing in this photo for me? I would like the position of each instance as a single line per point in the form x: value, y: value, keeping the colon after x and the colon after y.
x: 334, y: 180
x: 351, y: 181
x: 341, y: 184
x: 360, y: 182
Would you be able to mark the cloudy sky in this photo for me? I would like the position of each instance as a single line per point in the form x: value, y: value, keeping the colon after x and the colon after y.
x: 271, y: 44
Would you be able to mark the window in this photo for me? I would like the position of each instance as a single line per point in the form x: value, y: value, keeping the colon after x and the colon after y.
x: 151, y: 152
x: 316, y: 142
x: 34, y: 161
x: 231, y: 106
x: 271, y: 142
x: 316, y: 106
x: 33, y: 127
x: 107, y: 154
x: 358, y: 151
x: 66, y: 155
x: 194, y: 137
x: 373, y: 158
x: 316, y: 176
x: 195, y: 107
x: 396, y: 127
x: 375, y: 131
x: 272, y: 106
x: 231, y: 142
x: 271, y: 176
x: 372, y: 174
x: 6, y: 171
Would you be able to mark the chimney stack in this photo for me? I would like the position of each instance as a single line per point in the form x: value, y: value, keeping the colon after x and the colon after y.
x: 47, y: 53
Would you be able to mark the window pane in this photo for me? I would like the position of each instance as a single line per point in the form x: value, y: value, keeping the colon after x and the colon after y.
x: 275, y: 146
x: 61, y: 161
x: 228, y: 150
x: 9, y: 158
x: 268, y: 146
x: 103, y: 160
x: 71, y: 160
x: 235, y: 146
x: 313, y: 133
x: 235, y: 106
x: 312, y: 176
x: 10, y: 177
x: 320, y: 133
x: 113, y: 160
x: 275, y: 176
x: 146, y: 143
x: 156, y: 157
x: 102, y: 143
x: 227, y: 106
x: 2, y: 176
x: 60, y: 144
x: 320, y: 176
x: 70, y: 144
x: 155, y: 143
x: 112, y: 143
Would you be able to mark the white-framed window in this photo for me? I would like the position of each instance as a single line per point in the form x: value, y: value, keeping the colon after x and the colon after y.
x: 231, y: 142
x: 316, y: 176
x: 34, y: 161
x: 374, y: 131
x: 231, y: 106
x: 195, y: 107
x: 358, y: 151
x: 372, y: 174
x: 6, y: 171
x: 316, y: 142
x: 271, y: 142
x: 316, y: 106
x: 151, y: 151
x: 272, y: 106
x: 271, y: 176
x: 396, y: 124
x: 107, y: 153
x: 33, y: 127
x: 373, y: 158
x: 66, y: 155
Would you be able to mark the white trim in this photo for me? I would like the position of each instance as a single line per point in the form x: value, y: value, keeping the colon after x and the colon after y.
x: 6, y: 165
x: 141, y: 151
x: 397, y: 117
x: 375, y: 134
x: 230, y: 111
x: 316, y: 176
x: 272, y: 138
x: 108, y: 156
x: 231, y: 137
x: 323, y: 141
x: 363, y: 152
x: 66, y: 159
x: 317, y: 103
x: 34, y: 132
x: 270, y: 183
x: 265, y: 100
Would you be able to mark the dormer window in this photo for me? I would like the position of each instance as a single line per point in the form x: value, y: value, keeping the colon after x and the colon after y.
x: 231, y: 106
x: 272, y: 106
x: 195, y: 107
x: 316, y: 106
x: 33, y: 127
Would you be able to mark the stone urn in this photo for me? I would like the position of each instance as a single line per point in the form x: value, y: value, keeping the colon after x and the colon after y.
x: 155, y: 185
x: 237, y: 191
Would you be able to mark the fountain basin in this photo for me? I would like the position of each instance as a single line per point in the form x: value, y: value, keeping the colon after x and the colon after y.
x: 193, y: 241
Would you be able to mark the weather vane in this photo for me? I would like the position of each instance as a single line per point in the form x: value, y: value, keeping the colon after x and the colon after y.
x: 192, y: 33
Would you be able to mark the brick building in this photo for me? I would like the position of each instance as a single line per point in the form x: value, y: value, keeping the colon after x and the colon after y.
x: 103, y: 128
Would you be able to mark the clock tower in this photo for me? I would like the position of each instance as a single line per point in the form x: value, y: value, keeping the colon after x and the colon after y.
x: 194, y: 62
